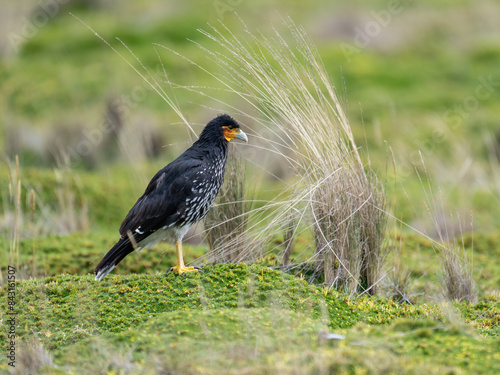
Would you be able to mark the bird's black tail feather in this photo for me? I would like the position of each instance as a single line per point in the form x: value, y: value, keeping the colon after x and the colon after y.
x: 114, y: 256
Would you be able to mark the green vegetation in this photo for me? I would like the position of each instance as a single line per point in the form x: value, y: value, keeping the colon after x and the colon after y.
x: 236, y: 307
x: 215, y: 341
x: 412, y: 87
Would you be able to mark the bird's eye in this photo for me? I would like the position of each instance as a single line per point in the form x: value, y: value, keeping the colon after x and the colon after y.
x: 230, y: 127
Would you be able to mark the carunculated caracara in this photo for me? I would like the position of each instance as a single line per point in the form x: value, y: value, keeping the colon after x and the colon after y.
x: 177, y: 197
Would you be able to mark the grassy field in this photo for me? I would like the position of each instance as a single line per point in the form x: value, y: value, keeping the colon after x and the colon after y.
x: 419, y: 84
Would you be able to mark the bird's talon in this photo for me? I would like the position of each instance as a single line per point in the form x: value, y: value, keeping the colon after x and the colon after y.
x: 183, y: 270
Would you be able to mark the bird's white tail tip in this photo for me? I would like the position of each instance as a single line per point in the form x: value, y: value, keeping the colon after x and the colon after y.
x: 101, y: 274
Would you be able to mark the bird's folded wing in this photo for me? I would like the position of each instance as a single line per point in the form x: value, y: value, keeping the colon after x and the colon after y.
x: 163, y: 201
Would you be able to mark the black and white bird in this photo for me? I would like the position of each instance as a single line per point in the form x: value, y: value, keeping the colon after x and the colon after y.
x: 177, y: 197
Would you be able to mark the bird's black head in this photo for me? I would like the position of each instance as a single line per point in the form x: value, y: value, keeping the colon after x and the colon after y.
x: 223, y: 127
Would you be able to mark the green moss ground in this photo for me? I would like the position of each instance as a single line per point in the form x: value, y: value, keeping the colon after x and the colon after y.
x: 237, y: 308
x: 270, y: 341
x: 78, y: 254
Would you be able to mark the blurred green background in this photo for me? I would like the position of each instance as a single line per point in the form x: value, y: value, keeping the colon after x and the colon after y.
x: 414, y: 76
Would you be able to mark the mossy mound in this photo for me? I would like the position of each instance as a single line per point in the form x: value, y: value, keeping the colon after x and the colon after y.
x: 196, y: 341
x: 277, y: 340
x: 64, y: 309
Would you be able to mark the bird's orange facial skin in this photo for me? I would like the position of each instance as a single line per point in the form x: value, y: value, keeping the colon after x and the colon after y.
x: 230, y: 133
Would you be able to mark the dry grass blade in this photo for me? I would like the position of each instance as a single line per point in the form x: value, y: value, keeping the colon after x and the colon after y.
x: 25, y: 215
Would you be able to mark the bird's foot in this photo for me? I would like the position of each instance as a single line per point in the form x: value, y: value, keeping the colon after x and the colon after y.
x: 183, y: 269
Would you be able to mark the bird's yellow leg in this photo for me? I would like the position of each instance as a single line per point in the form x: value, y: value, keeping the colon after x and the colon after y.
x: 181, y: 268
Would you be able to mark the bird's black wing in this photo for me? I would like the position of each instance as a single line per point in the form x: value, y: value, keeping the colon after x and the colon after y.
x: 164, y: 200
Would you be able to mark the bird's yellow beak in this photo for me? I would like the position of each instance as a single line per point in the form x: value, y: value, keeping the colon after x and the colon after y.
x: 234, y: 133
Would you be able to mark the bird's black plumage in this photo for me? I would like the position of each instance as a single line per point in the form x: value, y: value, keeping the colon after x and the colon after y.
x: 178, y: 196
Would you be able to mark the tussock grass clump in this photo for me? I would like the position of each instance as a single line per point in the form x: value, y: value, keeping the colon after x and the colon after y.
x: 349, y: 230
x: 458, y: 280
x: 287, y: 85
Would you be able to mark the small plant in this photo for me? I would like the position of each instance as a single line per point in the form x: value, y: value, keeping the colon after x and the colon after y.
x: 457, y: 266
x: 400, y: 282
